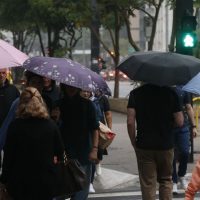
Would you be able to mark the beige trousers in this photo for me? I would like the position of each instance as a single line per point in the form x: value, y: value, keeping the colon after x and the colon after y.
x: 153, y: 167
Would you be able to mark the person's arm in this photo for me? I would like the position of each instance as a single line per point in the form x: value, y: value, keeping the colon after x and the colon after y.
x: 9, y: 153
x: 194, y: 184
x: 95, y: 132
x: 179, y: 119
x: 95, y: 142
x: 131, y: 125
x: 107, y: 112
x: 58, y: 143
x: 190, y: 113
x: 9, y: 118
x: 108, y: 117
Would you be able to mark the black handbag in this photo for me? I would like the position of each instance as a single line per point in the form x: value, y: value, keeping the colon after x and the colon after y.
x: 71, y: 177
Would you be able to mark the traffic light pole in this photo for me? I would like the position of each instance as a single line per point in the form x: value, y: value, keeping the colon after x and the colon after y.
x: 95, y: 46
x: 183, y: 7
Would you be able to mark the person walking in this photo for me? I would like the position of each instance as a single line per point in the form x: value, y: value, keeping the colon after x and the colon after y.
x: 33, y: 141
x: 32, y: 80
x: 155, y: 110
x: 79, y: 129
x: 89, y: 95
x: 106, y: 118
x: 8, y: 93
x: 105, y: 108
x: 182, y: 140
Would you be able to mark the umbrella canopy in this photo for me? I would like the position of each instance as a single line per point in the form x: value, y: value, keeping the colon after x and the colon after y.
x: 193, y: 86
x: 160, y: 68
x: 99, y: 83
x: 64, y: 71
x: 10, y: 56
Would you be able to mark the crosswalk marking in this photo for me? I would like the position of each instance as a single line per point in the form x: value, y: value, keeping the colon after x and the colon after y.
x: 115, y: 194
x: 124, y: 194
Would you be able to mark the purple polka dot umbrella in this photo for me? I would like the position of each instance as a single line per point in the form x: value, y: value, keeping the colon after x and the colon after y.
x: 68, y: 72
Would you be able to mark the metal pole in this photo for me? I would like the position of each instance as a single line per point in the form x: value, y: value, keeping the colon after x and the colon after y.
x: 183, y: 7
x: 95, y: 46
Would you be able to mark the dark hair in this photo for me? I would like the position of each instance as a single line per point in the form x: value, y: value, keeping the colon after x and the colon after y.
x: 29, y: 75
x: 53, y: 83
x: 64, y: 86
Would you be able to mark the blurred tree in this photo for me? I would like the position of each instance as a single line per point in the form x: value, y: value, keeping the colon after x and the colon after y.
x: 52, y: 21
x: 142, y: 5
x: 113, y: 15
x: 12, y: 19
x: 62, y: 22
x: 55, y: 19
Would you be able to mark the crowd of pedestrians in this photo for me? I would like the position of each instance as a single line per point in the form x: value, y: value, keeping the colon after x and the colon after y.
x: 37, y: 127
x: 46, y: 120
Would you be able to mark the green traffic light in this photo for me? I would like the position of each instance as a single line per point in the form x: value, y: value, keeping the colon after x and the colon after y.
x: 188, y: 40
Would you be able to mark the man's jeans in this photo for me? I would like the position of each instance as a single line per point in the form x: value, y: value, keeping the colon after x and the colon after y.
x: 155, y: 166
x: 182, y: 144
x: 83, y: 194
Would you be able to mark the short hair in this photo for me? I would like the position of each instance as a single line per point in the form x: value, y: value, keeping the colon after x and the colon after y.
x: 31, y: 104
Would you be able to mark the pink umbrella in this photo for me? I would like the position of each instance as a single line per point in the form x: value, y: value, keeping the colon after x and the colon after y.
x: 10, y: 56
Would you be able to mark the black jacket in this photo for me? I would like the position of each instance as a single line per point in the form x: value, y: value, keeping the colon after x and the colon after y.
x: 8, y: 93
x: 28, y: 168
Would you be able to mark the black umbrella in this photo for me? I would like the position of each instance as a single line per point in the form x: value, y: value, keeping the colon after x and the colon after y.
x: 160, y: 68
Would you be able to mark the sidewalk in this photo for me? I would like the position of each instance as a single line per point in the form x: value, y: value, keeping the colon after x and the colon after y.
x: 118, y: 180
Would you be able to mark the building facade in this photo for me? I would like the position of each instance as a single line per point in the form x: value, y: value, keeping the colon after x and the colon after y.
x: 141, y: 28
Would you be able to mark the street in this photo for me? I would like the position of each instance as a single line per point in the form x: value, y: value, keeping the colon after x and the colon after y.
x: 121, y: 156
x: 129, y: 196
x: 124, y: 87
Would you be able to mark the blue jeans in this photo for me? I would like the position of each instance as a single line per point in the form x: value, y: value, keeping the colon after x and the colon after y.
x: 182, y: 144
x: 83, y: 194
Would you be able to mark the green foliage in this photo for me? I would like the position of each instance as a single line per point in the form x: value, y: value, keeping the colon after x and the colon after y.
x: 196, y: 3
x: 109, y: 9
x: 11, y: 17
x: 57, y: 18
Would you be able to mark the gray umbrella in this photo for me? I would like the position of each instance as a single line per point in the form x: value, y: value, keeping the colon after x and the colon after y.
x: 160, y: 68
x: 68, y: 72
